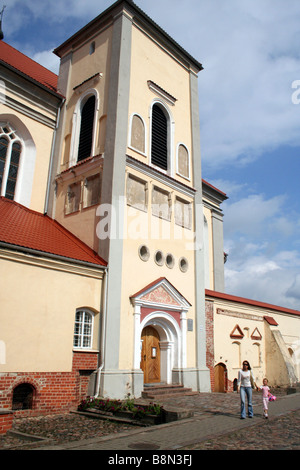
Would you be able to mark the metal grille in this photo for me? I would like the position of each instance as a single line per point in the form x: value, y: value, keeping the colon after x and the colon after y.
x: 159, y: 146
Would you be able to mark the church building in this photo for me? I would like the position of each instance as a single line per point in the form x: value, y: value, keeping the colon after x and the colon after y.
x: 111, y: 241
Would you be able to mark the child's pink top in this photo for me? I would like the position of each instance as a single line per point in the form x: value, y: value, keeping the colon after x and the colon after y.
x: 265, y: 389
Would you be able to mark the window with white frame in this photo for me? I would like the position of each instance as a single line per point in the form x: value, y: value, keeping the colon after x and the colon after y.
x: 83, y: 329
x: 10, y: 155
x: 84, y: 127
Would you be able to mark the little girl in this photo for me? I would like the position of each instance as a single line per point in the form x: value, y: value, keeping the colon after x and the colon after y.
x: 265, y: 396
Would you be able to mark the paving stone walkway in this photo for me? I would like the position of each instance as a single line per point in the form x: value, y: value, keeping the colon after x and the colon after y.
x: 216, y: 425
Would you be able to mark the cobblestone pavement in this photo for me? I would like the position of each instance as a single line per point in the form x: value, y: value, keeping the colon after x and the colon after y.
x: 58, y: 429
x: 278, y: 432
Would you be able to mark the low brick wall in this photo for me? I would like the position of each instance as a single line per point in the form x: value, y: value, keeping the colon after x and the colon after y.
x: 6, y: 420
x: 52, y: 392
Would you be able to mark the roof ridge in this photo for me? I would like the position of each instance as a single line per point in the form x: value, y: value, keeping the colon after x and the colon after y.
x: 18, y: 204
x: 245, y: 300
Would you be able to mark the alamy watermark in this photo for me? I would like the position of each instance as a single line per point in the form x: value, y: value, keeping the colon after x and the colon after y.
x: 296, y: 94
x: 118, y: 223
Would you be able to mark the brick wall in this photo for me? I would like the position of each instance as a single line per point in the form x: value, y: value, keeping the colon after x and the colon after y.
x: 52, y: 391
x: 6, y: 420
x: 210, y: 359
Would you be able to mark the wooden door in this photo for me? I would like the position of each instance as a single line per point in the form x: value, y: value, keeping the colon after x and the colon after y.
x: 150, y: 360
x: 220, y: 378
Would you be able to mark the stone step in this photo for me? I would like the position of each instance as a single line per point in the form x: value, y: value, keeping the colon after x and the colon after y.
x: 166, y: 391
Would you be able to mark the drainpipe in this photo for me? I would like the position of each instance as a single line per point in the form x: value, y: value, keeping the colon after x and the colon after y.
x: 102, y: 326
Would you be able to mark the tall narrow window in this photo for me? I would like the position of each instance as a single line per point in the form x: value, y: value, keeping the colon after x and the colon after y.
x: 159, y: 138
x: 10, y: 153
x: 86, y: 129
x: 3, y: 153
x: 13, y: 170
x: 83, y: 329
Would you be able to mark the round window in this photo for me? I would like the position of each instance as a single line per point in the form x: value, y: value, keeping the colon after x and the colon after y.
x: 159, y: 258
x: 170, y: 261
x: 144, y: 253
x: 183, y: 265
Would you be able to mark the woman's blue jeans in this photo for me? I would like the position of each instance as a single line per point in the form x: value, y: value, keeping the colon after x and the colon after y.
x: 243, y: 392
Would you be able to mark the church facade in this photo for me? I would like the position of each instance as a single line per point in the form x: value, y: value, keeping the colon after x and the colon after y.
x: 111, y: 248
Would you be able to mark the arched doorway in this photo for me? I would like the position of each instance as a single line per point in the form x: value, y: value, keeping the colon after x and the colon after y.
x: 220, y: 373
x: 23, y: 396
x: 150, y: 357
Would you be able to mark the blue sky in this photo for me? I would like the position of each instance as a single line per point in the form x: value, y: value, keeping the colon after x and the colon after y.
x: 249, y: 124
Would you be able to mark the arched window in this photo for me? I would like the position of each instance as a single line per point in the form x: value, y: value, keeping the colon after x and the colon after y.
x: 159, y: 137
x: 83, y: 330
x: 86, y: 129
x: 183, y: 161
x: 10, y: 154
x: 137, y: 137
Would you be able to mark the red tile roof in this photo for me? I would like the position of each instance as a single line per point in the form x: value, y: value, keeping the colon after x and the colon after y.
x: 27, y: 66
x: 271, y: 321
x: 23, y: 227
x: 255, y: 303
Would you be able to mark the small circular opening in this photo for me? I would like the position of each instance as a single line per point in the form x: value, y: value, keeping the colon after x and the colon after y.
x: 159, y: 258
x: 144, y: 252
x: 183, y: 265
x: 170, y: 261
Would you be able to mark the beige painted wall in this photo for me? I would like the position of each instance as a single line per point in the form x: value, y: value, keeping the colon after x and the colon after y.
x: 137, y: 273
x: 147, y: 55
x: 232, y: 352
x: 40, y: 297
x: 84, y: 67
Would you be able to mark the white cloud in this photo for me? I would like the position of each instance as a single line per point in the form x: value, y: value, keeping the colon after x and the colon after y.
x: 47, y: 59
x: 260, y: 277
x: 251, y: 215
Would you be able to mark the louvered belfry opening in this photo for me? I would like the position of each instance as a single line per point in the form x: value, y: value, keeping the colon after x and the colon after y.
x: 159, y: 145
x: 86, y: 129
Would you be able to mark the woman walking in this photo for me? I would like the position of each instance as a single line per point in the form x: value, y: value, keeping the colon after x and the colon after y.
x: 245, y: 382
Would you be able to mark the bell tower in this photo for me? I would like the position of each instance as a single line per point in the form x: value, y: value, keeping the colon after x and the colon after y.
x: 136, y: 198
